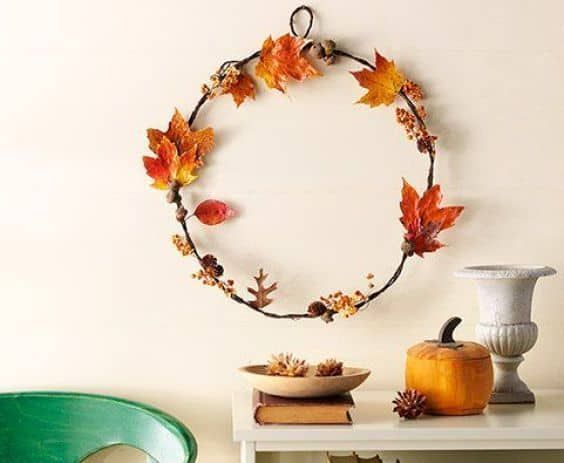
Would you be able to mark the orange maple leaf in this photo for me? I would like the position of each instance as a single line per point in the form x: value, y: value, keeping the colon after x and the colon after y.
x: 282, y: 60
x: 185, y: 139
x: 168, y: 167
x: 423, y: 219
x: 239, y: 85
x: 179, y: 152
x: 383, y: 84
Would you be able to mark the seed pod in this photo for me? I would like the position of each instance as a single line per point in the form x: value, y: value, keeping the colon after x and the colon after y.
x: 181, y: 214
x: 172, y: 196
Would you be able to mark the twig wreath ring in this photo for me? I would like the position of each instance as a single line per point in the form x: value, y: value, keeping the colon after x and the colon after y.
x: 181, y: 150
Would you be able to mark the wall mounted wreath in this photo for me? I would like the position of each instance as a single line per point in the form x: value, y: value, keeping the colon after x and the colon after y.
x: 181, y: 151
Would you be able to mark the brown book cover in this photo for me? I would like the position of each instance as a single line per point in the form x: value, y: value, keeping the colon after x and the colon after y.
x: 270, y: 409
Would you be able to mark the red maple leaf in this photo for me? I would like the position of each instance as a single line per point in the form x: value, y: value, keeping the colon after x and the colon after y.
x: 423, y: 219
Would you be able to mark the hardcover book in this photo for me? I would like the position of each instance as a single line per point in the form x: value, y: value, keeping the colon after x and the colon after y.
x: 270, y: 409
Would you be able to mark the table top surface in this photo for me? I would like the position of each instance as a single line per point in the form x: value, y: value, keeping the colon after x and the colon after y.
x: 539, y: 425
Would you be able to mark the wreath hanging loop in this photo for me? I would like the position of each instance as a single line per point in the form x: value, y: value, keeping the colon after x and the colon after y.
x: 181, y: 151
x: 309, y: 12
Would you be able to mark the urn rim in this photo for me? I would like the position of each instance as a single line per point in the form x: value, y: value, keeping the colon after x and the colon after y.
x: 504, y: 271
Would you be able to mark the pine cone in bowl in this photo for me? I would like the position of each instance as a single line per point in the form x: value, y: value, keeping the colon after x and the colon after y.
x: 329, y: 367
x: 286, y: 365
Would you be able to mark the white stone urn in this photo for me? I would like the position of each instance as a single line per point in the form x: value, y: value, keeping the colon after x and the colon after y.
x: 505, y: 294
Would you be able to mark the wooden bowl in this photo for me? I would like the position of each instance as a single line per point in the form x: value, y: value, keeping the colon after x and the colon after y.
x: 304, y: 386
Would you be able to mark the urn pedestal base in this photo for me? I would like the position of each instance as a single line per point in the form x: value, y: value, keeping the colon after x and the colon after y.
x: 509, y: 388
x: 507, y: 344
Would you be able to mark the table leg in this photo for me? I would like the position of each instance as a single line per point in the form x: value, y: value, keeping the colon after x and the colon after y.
x: 248, y: 452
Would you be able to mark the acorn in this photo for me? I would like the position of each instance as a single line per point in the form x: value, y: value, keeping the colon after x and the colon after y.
x: 327, y: 317
x: 330, y: 59
x: 317, y: 51
x: 172, y: 196
x: 328, y: 47
x: 181, y: 213
x: 407, y: 248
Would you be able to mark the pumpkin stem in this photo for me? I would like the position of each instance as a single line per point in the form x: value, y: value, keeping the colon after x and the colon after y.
x: 445, y: 335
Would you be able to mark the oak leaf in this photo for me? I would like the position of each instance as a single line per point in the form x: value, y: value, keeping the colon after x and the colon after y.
x: 213, y: 212
x: 383, y: 84
x: 239, y: 85
x: 281, y: 60
x: 423, y: 219
x: 262, y: 292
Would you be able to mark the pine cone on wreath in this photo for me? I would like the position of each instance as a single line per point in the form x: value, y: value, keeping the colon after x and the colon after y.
x: 409, y: 404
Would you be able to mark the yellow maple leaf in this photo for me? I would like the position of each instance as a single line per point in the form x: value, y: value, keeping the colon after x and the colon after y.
x: 383, y: 84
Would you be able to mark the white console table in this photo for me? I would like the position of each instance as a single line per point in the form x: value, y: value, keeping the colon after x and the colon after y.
x: 501, y: 427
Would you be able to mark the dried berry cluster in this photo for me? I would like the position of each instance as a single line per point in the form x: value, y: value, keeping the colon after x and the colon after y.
x: 210, y: 273
x: 182, y: 245
x: 414, y: 130
x: 339, y: 303
x: 221, y: 80
x: 344, y: 304
x: 412, y: 90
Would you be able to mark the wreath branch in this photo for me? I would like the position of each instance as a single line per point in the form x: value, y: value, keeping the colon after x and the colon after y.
x: 395, y: 276
x: 211, y: 272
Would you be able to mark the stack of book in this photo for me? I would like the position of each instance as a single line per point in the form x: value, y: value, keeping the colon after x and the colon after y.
x: 270, y: 409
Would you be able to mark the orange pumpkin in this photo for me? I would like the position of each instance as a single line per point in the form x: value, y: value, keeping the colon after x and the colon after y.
x: 456, y: 377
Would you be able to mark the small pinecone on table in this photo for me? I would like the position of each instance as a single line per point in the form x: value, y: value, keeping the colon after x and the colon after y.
x: 329, y: 367
x: 409, y: 404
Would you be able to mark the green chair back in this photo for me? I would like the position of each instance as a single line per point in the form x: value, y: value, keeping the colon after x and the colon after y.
x: 59, y: 427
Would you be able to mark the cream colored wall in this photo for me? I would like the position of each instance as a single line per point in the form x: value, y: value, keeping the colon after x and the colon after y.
x: 95, y: 298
